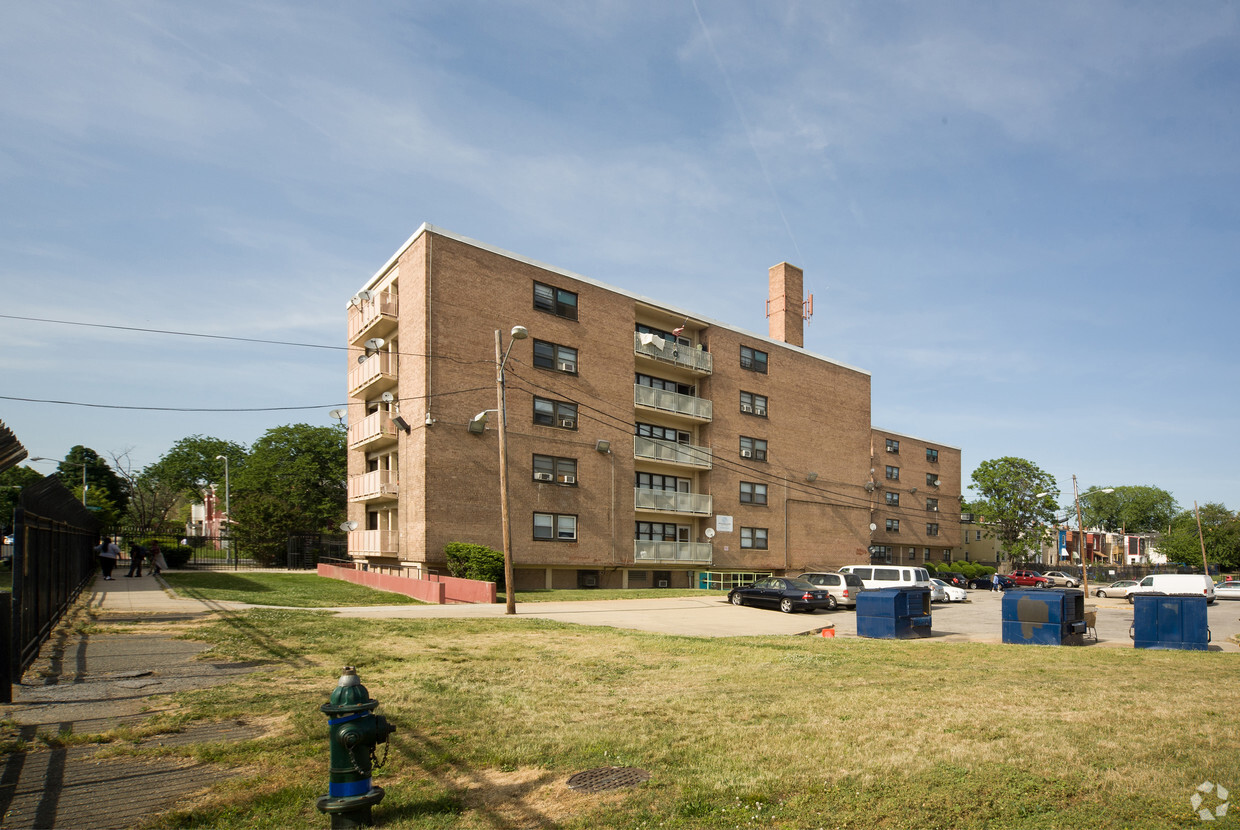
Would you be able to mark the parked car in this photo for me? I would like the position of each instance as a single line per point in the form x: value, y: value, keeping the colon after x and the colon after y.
x: 842, y: 587
x: 1062, y: 580
x: 1120, y: 588
x: 984, y: 582
x: 947, y: 593
x: 1030, y: 579
x: 889, y: 576
x: 953, y: 578
x: 1228, y: 589
x: 785, y: 593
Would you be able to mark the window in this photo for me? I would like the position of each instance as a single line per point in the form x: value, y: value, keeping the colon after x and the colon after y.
x: 679, y: 339
x: 555, y: 527
x: 551, y: 413
x: 893, y: 473
x: 932, y: 480
x: 753, y: 360
x: 753, y: 493
x: 932, y: 455
x: 660, y: 532
x: 555, y: 300
x: 753, y: 538
x: 555, y: 357
x: 912, y: 554
x: 978, y: 537
x: 893, y: 499
x: 932, y: 504
x: 932, y: 529
x: 657, y: 481
x: 879, y: 553
x: 667, y: 385
x: 752, y: 404
x: 560, y: 470
x: 893, y: 525
x: 754, y: 448
x: 893, y: 446
x: 678, y: 436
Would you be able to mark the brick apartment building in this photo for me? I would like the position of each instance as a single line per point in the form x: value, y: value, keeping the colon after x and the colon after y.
x: 647, y: 447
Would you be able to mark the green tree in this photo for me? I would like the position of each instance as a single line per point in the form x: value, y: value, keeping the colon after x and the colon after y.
x: 1019, y: 501
x: 193, y: 464
x: 12, y: 481
x: 1131, y: 509
x: 152, y: 502
x: 105, y: 487
x: 293, y: 481
x: 1219, y: 527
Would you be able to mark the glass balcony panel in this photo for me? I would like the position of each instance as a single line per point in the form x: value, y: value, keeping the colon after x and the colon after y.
x: 671, y: 501
x: 656, y: 449
x: 697, y: 553
x: 693, y: 358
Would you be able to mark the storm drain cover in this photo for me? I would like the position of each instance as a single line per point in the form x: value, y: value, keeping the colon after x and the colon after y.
x: 607, y: 778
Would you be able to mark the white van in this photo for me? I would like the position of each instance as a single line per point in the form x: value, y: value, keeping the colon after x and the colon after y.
x: 889, y: 576
x: 1175, y: 584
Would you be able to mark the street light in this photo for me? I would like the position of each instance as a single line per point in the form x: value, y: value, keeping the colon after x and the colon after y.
x: 517, y: 333
x: 71, y: 464
x: 1080, y: 529
x: 227, y: 494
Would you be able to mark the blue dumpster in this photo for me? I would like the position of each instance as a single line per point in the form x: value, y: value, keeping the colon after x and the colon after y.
x: 1044, y: 617
x: 1171, y: 621
x: 894, y: 613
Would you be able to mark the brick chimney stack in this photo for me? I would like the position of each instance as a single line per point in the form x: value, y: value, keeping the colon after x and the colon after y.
x: 786, y: 304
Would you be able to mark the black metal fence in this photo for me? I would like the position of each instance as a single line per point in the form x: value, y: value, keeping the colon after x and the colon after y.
x: 215, y: 553
x: 53, y: 558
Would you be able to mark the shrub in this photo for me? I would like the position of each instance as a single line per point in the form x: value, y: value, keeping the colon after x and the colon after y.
x: 475, y: 562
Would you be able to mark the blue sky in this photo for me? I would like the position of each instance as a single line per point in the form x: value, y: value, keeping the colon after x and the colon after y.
x: 1021, y: 218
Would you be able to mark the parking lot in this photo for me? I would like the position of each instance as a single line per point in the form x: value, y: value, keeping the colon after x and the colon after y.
x: 978, y: 620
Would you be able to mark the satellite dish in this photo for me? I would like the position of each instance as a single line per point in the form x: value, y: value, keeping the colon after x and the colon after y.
x: 338, y: 414
x: 873, y: 526
x: 709, y: 532
x: 388, y: 397
x: 347, y: 526
x: 374, y: 343
x: 365, y: 295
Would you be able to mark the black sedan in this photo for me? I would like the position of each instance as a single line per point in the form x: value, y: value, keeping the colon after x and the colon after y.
x: 984, y: 583
x: 953, y: 578
x: 784, y: 593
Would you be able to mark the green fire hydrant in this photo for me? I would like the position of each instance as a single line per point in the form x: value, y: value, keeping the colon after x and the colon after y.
x: 355, y: 732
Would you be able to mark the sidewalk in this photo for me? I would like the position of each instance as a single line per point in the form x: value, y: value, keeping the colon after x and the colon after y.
x: 86, y: 682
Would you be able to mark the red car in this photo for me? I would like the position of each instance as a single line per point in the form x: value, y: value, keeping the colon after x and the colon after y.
x: 1030, y: 579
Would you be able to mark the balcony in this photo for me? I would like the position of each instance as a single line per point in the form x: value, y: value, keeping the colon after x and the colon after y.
x: 689, y: 553
x: 372, y: 542
x: 372, y: 318
x: 377, y: 485
x: 373, y: 430
x: 670, y: 501
x: 669, y: 452
x: 376, y: 373
x: 693, y: 358
x: 699, y: 409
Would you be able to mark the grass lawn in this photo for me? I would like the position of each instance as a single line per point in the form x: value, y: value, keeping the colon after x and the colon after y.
x: 781, y: 732
x: 302, y: 590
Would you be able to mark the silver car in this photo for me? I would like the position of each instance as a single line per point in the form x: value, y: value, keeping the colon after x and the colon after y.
x: 1061, y: 579
x: 842, y: 587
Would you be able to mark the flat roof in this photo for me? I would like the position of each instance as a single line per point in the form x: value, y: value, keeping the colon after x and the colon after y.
x: 426, y: 227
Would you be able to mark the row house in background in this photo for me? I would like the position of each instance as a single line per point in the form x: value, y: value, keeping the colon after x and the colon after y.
x: 647, y: 446
x: 1061, y: 546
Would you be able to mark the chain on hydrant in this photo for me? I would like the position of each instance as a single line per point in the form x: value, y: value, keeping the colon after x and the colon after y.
x: 355, y: 732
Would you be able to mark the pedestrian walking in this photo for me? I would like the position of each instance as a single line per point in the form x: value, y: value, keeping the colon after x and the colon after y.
x: 994, y: 582
x: 158, y: 563
x: 136, y: 553
x: 108, y: 554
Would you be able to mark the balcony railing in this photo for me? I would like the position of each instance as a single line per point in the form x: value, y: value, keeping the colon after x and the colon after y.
x: 375, y: 428
x: 377, y: 367
x: 372, y: 317
x: 373, y: 486
x: 656, y: 449
x: 670, y: 501
x: 372, y: 542
x: 697, y: 553
x: 697, y: 408
x: 693, y: 358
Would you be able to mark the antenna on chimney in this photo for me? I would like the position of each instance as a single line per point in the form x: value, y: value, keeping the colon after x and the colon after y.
x: 807, y: 308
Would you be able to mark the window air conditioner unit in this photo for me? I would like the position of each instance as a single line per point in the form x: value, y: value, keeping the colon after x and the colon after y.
x: 746, y: 453
x: 543, y: 476
x: 589, y: 581
x: 891, y: 449
x: 662, y: 583
x: 761, y: 410
x: 935, y: 482
x: 746, y: 407
x: 568, y: 423
x: 566, y: 366
x: 569, y: 479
